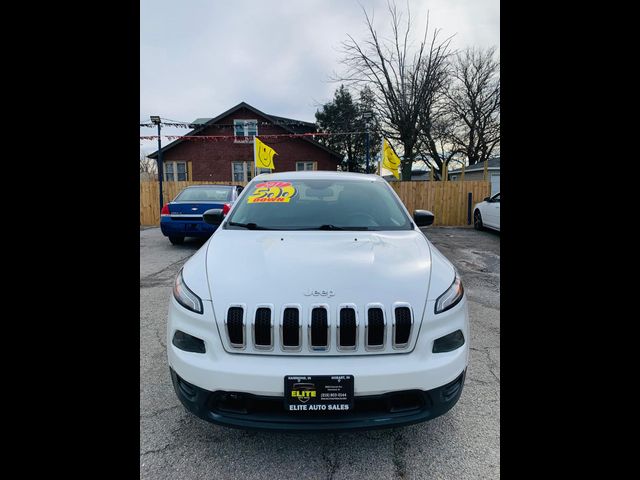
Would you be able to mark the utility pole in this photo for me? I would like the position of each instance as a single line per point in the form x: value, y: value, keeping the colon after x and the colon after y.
x: 367, y: 116
x: 156, y: 121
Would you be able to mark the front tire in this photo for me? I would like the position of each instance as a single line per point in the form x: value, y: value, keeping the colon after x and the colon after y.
x: 176, y: 240
x: 477, y: 220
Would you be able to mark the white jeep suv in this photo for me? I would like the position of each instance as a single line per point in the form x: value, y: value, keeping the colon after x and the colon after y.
x: 318, y: 304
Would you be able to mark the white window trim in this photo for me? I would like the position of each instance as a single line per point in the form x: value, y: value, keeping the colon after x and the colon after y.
x: 247, y: 166
x: 175, y: 171
x: 244, y: 171
x: 246, y: 138
x: 313, y: 164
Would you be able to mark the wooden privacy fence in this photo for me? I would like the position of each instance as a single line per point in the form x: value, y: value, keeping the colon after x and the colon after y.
x: 447, y: 200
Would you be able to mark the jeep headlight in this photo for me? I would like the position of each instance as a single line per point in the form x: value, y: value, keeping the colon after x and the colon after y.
x: 451, y: 297
x: 186, y: 297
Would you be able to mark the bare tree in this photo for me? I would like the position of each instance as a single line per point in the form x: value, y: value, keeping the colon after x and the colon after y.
x: 405, y: 84
x: 474, y: 103
x: 437, y: 133
x: 147, y: 166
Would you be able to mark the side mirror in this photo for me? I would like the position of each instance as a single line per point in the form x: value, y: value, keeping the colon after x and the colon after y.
x: 423, y: 217
x: 213, y: 216
x: 487, y: 199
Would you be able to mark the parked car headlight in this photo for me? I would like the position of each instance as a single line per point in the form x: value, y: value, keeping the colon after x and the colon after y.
x: 451, y: 297
x: 186, y: 297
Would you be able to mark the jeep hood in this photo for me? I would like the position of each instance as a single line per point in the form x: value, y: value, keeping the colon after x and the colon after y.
x: 279, y: 267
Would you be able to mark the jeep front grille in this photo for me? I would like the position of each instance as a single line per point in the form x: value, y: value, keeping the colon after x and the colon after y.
x: 263, y: 329
x: 347, y: 329
x: 370, y: 329
x: 375, y: 329
x: 235, y: 326
x: 402, y: 322
x: 319, y: 329
x: 291, y: 329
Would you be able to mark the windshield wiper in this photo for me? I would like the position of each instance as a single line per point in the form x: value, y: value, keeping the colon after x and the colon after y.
x: 328, y: 226
x: 248, y: 226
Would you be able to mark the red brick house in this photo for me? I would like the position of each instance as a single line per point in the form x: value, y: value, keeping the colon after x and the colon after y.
x: 231, y: 160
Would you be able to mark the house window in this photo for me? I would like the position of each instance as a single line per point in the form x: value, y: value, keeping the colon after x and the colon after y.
x: 239, y: 172
x: 243, y: 171
x: 175, y: 171
x: 301, y: 166
x: 244, y: 130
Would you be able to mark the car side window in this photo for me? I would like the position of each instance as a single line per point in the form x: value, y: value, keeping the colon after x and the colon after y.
x: 496, y: 198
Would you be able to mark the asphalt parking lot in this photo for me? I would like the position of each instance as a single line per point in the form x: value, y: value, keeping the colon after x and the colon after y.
x: 462, y: 444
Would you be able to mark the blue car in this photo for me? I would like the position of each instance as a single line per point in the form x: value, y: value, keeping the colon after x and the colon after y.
x: 183, y: 216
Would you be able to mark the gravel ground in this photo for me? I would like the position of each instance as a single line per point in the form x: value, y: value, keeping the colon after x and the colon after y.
x: 462, y: 444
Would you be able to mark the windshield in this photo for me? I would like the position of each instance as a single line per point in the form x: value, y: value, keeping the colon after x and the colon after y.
x: 319, y: 205
x: 205, y: 194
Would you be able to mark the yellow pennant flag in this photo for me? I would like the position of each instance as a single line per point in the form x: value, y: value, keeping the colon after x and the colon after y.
x: 263, y: 154
x: 390, y: 160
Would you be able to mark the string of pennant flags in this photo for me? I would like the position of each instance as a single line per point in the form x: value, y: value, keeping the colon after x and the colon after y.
x: 216, y: 138
x: 166, y: 124
x: 221, y: 125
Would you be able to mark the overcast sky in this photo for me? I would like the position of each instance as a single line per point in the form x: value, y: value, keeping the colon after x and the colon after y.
x: 199, y: 58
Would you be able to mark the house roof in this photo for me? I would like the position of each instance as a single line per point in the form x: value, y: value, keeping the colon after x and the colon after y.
x: 294, y: 122
x: 493, y: 164
x: 199, y: 121
x: 282, y: 121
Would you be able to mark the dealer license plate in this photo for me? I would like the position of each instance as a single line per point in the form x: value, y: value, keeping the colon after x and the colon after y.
x: 318, y: 393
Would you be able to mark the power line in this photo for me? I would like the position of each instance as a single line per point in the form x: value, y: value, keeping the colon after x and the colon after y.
x: 171, y: 120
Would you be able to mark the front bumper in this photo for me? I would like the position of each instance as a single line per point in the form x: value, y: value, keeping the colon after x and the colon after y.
x: 431, y: 382
x: 256, y: 412
x: 419, y: 369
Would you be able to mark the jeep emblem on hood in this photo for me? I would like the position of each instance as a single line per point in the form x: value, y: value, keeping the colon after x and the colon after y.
x: 319, y: 293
